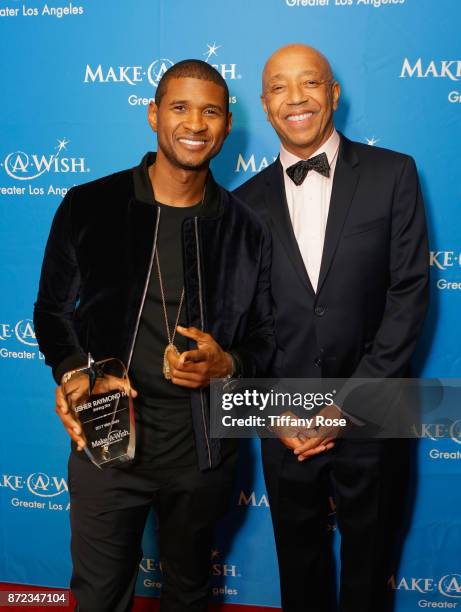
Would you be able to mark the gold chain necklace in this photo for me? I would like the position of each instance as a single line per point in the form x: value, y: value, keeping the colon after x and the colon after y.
x: 171, y: 334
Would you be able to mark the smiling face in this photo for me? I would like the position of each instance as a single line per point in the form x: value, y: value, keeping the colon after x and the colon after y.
x: 191, y: 122
x: 301, y: 115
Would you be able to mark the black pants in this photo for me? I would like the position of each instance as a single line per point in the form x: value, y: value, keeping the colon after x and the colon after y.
x: 108, y: 513
x: 367, y: 481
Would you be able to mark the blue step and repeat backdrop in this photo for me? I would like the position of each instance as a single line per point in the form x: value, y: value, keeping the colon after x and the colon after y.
x: 76, y: 78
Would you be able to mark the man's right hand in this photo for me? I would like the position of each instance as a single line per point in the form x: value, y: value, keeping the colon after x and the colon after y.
x: 317, y: 445
x: 77, y: 391
x: 296, y: 438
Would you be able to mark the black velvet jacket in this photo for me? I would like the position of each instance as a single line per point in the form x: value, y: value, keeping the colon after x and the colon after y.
x: 96, y: 269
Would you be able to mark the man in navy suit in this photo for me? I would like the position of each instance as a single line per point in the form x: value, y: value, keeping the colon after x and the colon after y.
x: 350, y: 292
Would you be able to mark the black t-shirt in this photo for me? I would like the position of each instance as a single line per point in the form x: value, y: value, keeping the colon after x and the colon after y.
x: 164, y: 432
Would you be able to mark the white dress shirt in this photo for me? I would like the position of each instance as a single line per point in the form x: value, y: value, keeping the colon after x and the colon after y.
x: 309, y: 203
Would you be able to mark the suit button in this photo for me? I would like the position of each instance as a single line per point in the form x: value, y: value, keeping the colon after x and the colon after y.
x: 318, y: 362
x: 320, y: 311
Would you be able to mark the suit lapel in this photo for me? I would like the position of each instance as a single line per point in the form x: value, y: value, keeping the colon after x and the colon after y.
x: 344, y: 185
x: 280, y: 217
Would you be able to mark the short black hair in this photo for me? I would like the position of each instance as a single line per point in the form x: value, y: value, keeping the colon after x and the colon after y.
x: 193, y: 69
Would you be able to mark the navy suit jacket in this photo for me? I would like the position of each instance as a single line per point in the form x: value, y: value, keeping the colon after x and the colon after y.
x: 372, y: 295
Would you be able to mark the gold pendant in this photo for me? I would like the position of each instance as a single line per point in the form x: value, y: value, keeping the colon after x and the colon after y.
x: 166, y: 364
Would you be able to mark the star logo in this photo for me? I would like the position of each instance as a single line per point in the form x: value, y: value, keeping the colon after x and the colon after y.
x: 62, y: 144
x: 372, y: 141
x: 214, y: 553
x: 211, y: 51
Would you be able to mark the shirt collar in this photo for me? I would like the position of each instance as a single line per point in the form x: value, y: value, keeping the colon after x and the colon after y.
x: 329, y: 147
x: 144, y: 193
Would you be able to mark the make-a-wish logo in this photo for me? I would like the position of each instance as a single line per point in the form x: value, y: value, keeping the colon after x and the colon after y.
x: 252, y: 163
x: 42, y: 485
x: 450, y: 263
x: 438, y: 69
x: 222, y: 576
x: 23, y: 331
x: 151, y: 570
x: 218, y: 568
x: 447, y: 70
x: 153, y: 72
x: 439, y: 431
x: 23, y: 166
x: 448, y: 585
x: 445, y: 260
x: 253, y: 500
x: 37, y: 483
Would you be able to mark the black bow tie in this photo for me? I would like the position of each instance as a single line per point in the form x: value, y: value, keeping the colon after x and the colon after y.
x: 298, y: 172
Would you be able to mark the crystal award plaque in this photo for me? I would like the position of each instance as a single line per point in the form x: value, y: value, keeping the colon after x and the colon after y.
x: 100, y: 400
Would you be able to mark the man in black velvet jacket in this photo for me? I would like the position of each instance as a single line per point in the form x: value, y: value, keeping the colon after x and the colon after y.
x: 350, y: 290
x: 117, y: 261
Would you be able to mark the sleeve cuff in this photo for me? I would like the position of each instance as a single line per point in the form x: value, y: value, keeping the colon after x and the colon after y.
x: 74, y: 361
x: 237, y: 367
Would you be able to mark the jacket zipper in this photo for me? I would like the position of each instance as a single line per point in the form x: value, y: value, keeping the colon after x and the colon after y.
x: 202, y: 324
x: 146, y: 285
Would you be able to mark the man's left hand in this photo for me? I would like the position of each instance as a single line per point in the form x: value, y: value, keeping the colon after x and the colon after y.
x: 194, y: 369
